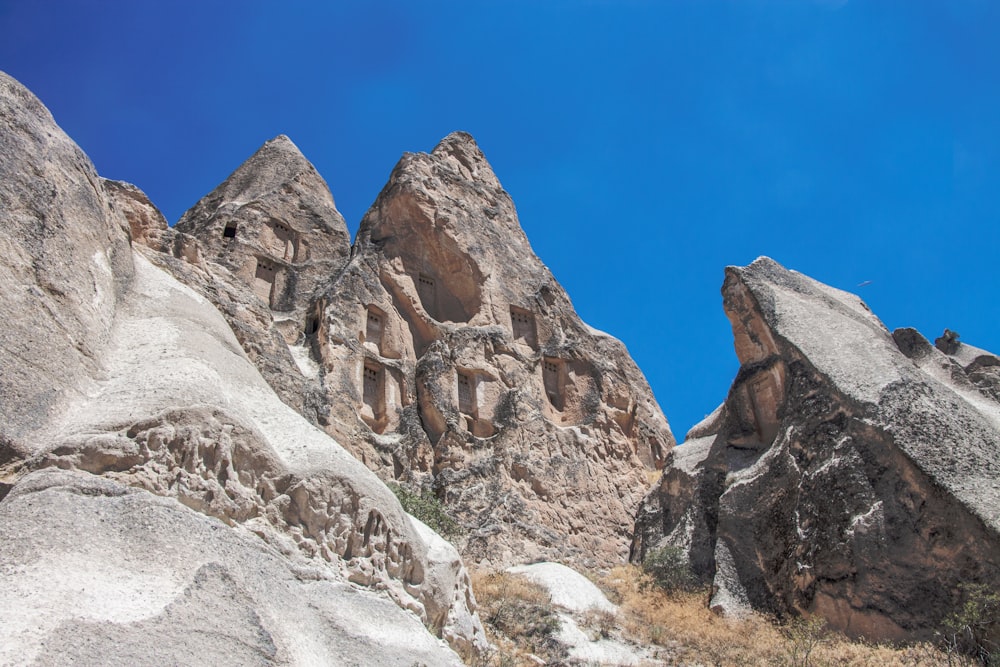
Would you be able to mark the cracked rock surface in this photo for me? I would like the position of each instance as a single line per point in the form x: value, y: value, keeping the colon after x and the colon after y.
x: 851, y: 472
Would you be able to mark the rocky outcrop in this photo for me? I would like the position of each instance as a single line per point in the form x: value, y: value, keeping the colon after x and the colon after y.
x: 132, y: 417
x: 274, y: 225
x: 452, y: 359
x: 146, y: 223
x: 258, y: 247
x: 443, y: 354
x: 61, y: 279
x: 850, y: 473
x: 100, y: 573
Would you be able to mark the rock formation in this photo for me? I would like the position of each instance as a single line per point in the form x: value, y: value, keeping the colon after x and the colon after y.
x: 258, y: 247
x: 150, y: 479
x: 452, y: 358
x: 850, y: 472
x: 443, y: 354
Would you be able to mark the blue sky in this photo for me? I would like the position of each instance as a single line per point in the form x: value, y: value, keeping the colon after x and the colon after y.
x: 647, y: 145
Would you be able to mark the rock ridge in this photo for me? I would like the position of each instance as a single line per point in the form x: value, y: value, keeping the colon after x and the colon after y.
x: 453, y: 360
x: 850, y: 473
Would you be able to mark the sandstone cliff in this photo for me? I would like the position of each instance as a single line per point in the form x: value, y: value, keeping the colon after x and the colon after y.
x: 198, y: 504
x: 446, y: 354
x: 850, y: 473
x: 453, y: 359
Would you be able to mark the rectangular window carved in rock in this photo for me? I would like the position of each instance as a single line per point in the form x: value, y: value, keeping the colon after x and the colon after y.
x: 372, y: 390
x: 230, y: 231
x: 263, y: 282
x: 553, y: 382
x: 523, y: 326
x: 427, y: 291
x: 373, y: 327
x: 466, y: 393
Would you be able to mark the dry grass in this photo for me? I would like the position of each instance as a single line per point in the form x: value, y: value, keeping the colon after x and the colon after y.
x: 683, y: 623
x: 519, y: 620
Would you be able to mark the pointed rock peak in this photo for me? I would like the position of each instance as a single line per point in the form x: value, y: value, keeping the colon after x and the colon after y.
x: 276, y: 162
x: 457, y: 140
x: 765, y: 269
x: 279, y: 178
x: 275, y: 208
x: 460, y: 150
x: 280, y: 144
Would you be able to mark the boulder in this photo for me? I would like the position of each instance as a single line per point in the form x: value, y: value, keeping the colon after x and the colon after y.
x: 851, y: 473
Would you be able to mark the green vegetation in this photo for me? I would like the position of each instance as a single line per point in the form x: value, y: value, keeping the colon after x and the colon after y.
x: 426, y: 507
x: 973, y: 630
x: 668, y: 569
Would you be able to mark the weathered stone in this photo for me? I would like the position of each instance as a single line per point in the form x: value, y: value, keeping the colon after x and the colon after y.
x: 850, y: 473
x: 273, y: 212
x: 148, y: 386
x: 453, y: 359
x: 146, y: 223
x: 97, y: 573
x: 274, y: 225
x: 64, y: 264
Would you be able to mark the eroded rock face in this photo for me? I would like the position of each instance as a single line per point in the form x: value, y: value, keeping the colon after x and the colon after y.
x: 146, y: 223
x: 64, y: 265
x: 850, y: 473
x: 259, y: 247
x: 442, y: 354
x: 149, y: 396
x: 274, y: 225
x: 97, y: 572
x: 452, y: 359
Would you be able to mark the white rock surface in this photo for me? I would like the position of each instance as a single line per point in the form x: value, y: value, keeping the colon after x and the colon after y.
x: 577, y: 596
x: 152, y: 484
x: 94, y: 572
x: 569, y: 589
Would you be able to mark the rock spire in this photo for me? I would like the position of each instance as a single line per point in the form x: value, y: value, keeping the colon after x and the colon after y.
x: 452, y: 359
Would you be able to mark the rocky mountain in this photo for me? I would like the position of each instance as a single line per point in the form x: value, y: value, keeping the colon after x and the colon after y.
x: 158, y: 500
x: 851, y: 472
x: 196, y: 424
x: 442, y: 353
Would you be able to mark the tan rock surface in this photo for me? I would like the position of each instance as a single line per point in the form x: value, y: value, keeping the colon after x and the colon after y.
x: 442, y: 354
x: 146, y: 223
x: 65, y: 262
x: 258, y: 247
x: 850, y: 473
x: 453, y: 359
x: 148, y: 386
x: 274, y: 225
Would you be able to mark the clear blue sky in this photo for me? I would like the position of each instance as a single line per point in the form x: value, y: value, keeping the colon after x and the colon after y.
x: 646, y: 144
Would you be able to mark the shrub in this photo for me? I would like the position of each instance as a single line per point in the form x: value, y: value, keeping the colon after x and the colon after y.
x: 426, y: 507
x: 669, y: 570
x: 974, y: 628
x: 804, y: 635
